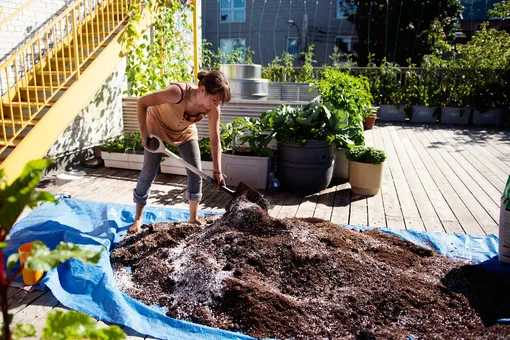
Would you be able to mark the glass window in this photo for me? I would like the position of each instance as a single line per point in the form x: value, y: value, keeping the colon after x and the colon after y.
x: 234, y: 50
x: 232, y: 11
x: 343, y: 10
x: 293, y: 46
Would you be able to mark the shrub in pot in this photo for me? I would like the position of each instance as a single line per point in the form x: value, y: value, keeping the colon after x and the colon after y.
x: 386, y: 89
x: 306, y: 138
x: 423, y: 93
x: 246, y: 156
x: 124, y: 151
x: 365, y: 169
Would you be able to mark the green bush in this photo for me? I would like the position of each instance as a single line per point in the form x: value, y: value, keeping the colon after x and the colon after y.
x: 366, y: 154
x: 127, y: 142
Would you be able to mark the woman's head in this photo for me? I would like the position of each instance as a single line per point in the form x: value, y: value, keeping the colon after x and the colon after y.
x: 215, y: 87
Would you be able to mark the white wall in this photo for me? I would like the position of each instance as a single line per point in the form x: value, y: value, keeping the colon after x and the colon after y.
x: 26, y: 23
x: 99, y: 120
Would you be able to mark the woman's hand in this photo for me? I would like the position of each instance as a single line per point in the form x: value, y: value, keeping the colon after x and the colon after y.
x: 145, y: 138
x: 218, y: 176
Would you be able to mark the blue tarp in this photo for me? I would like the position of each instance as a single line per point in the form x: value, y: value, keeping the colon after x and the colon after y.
x: 92, y: 290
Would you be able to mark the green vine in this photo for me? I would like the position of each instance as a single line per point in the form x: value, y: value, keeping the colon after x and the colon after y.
x: 162, y: 54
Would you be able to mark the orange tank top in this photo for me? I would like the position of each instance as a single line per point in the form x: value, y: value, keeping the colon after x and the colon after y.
x: 168, y: 123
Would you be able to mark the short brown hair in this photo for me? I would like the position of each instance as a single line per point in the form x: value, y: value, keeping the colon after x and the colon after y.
x: 215, y: 82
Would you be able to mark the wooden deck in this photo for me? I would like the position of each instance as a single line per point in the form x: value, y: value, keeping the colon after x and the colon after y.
x: 436, y: 178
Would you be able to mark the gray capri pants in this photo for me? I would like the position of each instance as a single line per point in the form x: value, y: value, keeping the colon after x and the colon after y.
x: 190, y: 152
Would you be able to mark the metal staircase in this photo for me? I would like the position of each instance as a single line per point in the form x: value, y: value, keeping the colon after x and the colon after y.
x: 44, y: 84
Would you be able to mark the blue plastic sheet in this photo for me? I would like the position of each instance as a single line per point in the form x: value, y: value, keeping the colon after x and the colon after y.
x: 92, y: 290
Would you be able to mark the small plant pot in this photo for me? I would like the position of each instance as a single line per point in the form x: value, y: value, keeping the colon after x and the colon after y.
x: 365, y: 178
x: 392, y: 113
x: 455, y: 115
x: 30, y: 277
x: 341, y: 169
x: 369, y: 122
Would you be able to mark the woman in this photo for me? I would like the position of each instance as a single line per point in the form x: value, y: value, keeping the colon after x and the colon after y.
x: 171, y: 115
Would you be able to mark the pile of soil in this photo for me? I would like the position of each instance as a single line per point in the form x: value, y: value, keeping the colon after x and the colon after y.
x: 307, y: 278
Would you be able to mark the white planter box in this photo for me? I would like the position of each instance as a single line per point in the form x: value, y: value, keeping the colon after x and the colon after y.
x: 455, y: 115
x: 253, y: 171
x: 491, y: 117
x: 392, y: 113
x: 423, y: 114
x: 171, y: 166
x: 119, y: 160
x: 341, y: 169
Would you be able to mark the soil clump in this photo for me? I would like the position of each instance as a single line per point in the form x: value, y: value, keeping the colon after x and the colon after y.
x: 308, y: 279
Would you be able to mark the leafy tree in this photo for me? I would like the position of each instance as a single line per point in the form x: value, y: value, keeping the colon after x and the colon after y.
x: 501, y: 10
x: 397, y: 29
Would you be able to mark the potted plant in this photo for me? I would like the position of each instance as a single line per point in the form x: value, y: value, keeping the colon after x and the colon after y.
x: 422, y: 91
x: 124, y: 151
x: 351, y: 96
x: 171, y: 166
x: 369, y: 118
x: 452, y: 96
x: 387, y: 91
x: 246, y: 156
x: 365, y: 169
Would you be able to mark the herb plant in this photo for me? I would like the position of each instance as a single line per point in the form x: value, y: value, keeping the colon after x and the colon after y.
x: 366, y: 154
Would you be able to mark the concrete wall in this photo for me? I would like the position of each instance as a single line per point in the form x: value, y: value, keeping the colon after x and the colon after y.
x: 266, y: 28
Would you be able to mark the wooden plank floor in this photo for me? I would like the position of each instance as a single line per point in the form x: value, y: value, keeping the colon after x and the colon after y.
x: 436, y: 178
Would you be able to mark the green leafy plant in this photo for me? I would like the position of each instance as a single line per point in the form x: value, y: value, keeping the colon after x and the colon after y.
x: 366, y: 154
x: 501, y: 10
x: 160, y: 56
x: 246, y: 135
x: 205, y: 148
x: 280, y: 69
x: 386, y: 86
x: 306, y: 73
x: 347, y: 93
x: 313, y: 121
x: 127, y: 142
x: 14, y: 197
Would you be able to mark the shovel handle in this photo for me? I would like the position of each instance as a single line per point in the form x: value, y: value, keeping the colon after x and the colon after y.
x: 193, y: 168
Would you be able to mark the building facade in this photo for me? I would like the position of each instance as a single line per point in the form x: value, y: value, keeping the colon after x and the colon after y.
x: 271, y: 27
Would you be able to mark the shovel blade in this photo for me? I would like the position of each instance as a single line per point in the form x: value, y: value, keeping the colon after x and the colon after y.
x: 252, y: 195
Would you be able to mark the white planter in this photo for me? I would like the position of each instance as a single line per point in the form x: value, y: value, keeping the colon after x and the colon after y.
x: 341, y: 169
x: 455, y: 115
x: 491, y: 117
x: 253, y: 171
x: 122, y: 160
x: 392, y: 113
x: 171, y: 166
x: 423, y: 114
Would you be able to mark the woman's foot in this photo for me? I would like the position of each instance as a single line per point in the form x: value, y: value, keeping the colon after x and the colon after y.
x: 196, y: 221
x: 135, y: 227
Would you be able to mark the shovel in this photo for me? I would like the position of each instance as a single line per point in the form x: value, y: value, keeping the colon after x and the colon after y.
x: 155, y: 145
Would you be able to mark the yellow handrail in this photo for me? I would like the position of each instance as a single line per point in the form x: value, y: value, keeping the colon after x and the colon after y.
x: 13, y: 14
x: 31, y: 78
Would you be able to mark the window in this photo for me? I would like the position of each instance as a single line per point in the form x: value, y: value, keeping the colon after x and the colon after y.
x: 232, y: 10
x: 234, y: 50
x: 343, y: 43
x: 343, y: 10
x: 293, y: 46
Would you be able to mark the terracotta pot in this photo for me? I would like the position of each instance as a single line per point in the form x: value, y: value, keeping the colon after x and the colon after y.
x: 365, y: 178
x: 369, y: 122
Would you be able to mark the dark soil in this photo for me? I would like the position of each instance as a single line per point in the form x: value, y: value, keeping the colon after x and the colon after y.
x: 308, y: 279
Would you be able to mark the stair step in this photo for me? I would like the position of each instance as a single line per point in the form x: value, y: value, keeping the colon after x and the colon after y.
x: 25, y: 121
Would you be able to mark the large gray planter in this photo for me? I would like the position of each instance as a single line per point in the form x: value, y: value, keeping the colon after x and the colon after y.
x: 455, y: 115
x: 392, y: 113
x: 491, y: 117
x: 423, y: 114
x: 305, y: 169
x: 293, y: 92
